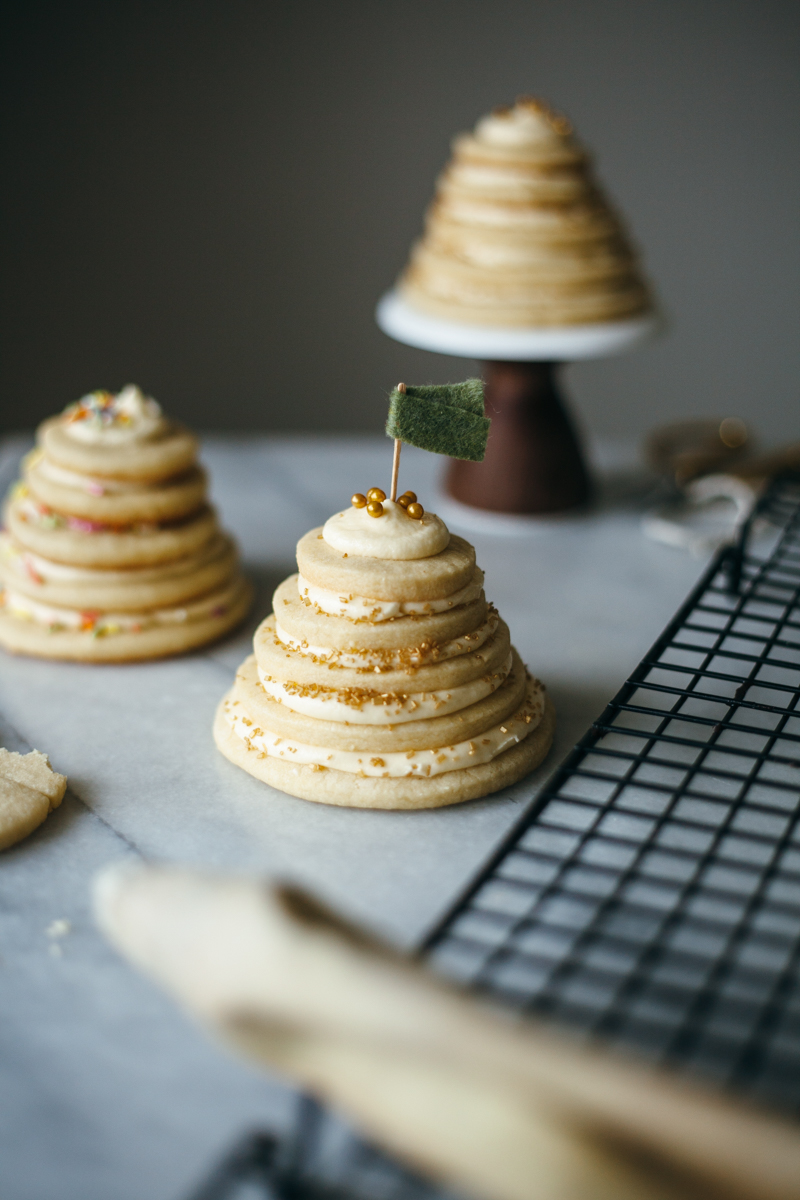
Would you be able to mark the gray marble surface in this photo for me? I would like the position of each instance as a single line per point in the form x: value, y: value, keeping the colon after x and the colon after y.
x: 108, y: 1094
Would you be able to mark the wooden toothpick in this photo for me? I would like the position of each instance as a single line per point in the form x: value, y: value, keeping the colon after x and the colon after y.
x: 401, y: 387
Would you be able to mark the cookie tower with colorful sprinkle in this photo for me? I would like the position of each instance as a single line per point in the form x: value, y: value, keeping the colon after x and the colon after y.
x: 111, y: 551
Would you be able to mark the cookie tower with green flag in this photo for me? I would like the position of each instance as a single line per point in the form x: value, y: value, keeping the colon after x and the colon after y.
x: 383, y: 678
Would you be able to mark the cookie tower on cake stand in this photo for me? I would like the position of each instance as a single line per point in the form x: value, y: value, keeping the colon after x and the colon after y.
x: 111, y: 551
x: 383, y: 678
x: 523, y: 264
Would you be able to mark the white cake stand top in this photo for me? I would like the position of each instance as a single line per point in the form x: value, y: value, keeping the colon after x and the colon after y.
x: 557, y: 344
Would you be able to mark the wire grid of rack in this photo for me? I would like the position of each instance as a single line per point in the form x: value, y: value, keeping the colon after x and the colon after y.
x: 651, y: 897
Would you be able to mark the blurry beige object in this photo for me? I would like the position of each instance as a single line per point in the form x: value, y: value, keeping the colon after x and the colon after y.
x: 29, y: 790
x: 520, y: 234
x: 715, y: 475
x: 507, y: 1111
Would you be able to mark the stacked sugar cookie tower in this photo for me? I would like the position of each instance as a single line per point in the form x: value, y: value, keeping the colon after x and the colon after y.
x: 112, y: 552
x: 519, y: 233
x: 383, y: 679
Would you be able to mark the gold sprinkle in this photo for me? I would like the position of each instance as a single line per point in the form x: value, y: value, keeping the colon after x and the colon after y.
x: 377, y: 762
x: 472, y: 748
x: 503, y: 729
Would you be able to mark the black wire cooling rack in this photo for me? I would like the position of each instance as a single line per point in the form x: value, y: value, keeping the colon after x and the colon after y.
x: 651, y: 896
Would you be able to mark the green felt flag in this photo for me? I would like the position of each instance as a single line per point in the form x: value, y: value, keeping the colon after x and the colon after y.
x: 445, y: 418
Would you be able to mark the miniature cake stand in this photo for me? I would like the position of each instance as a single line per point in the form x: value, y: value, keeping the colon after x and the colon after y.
x: 533, y: 462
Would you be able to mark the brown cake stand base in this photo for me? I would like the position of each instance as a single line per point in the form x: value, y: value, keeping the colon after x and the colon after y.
x: 533, y: 462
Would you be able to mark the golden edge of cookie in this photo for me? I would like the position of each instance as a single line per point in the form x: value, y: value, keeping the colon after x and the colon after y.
x: 344, y: 790
x: 25, y: 637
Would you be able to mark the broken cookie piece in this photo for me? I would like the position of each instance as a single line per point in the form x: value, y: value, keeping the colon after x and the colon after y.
x: 29, y: 790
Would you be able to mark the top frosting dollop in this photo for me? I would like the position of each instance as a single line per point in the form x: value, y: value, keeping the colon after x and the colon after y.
x: 393, y: 535
x: 528, y: 123
x: 101, y: 418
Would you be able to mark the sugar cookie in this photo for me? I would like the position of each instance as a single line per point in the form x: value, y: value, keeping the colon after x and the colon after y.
x: 386, y: 579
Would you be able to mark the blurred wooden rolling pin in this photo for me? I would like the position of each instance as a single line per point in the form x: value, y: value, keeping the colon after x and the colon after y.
x: 503, y: 1109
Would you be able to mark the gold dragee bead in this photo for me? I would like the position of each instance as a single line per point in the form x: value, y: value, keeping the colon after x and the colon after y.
x: 409, y: 497
x: 403, y: 501
x: 358, y: 501
x: 375, y: 508
x: 416, y: 511
x: 376, y: 494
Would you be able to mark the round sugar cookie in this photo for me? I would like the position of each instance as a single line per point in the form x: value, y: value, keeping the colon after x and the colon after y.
x: 279, y: 662
x: 352, y: 791
x: 386, y: 579
x: 380, y: 661
x: 56, y: 538
x: 165, y: 501
x: 160, y: 641
x: 171, y: 451
x: 376, y: 739
x: 133, y: 589
x: 304, y: 623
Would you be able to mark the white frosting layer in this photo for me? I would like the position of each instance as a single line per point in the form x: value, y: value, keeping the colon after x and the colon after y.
x: 106, y: 624
x: 522, y: 125
x: 396, y: 764
x: 387, y: 660
x: 103, y: 419
x: 374, y: 708
x: 395, y: 535
x: 361, y: 608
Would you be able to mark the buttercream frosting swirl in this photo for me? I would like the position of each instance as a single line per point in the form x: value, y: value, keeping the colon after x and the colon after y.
x: 101, y: 418
x: 393, y: 535
x: 528, y: 123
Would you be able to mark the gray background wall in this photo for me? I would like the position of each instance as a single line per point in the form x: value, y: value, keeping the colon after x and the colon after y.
x: 208, y: 198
